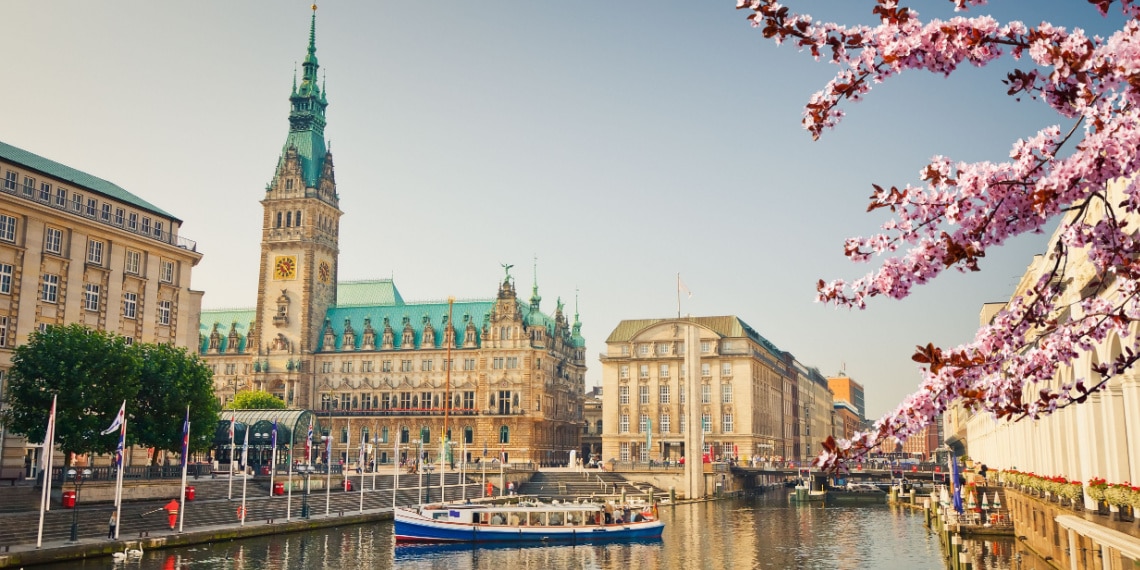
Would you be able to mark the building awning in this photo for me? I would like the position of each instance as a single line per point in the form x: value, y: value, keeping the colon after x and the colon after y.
x: 292, y: 426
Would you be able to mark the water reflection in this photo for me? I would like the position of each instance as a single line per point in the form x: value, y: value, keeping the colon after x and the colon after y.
x: 760, y: 532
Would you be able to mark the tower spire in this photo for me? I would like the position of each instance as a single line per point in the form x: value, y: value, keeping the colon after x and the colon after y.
x: 535, y: 298
x: 307, y: 114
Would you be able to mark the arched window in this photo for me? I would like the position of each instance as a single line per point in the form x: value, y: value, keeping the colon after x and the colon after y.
x: 405, y: 435
x: 504, y: 434
x: 288, y: 219
x: 344, y: 435
x: 384, y: 434
x: 297, y: 218
x: 278, y: 220
x: 468, y: 435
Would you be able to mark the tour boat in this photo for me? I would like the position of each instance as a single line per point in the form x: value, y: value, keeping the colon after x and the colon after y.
x: 523, y: 522
x: 857, y: 493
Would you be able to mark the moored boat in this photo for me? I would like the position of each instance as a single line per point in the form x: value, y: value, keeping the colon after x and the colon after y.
x: 857, y: 493
x: 527, y: 522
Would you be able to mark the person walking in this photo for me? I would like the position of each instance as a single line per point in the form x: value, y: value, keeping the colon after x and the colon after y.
x: 111, y: 526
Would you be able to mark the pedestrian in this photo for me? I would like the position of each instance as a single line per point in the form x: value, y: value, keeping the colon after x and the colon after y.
x: 511, y: 488
x: 111, y: 526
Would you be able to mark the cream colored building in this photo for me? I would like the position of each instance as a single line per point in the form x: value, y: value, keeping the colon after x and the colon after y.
x: 1099, y: 438
x: 75, y: 248
x: 815, y: 406
x: 745, y: 399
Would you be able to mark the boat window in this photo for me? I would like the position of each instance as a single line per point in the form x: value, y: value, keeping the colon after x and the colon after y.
x: 497, y: 519
x: 555, y: 519
x: 571, y: 519
x: 538, y: 519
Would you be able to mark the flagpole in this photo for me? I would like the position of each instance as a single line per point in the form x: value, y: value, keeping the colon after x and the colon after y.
x: 233, y: 446
x: 45, y: 493
x: 328, y: 469
x: 122, y: 451
x: 360, y: 463
x: 463, y: 471
x: 273, y: 459
x: 396, y: 472
x: 244, y: 474
x: 51, y: 454
x: 185, y: 462
x: 289, y: 500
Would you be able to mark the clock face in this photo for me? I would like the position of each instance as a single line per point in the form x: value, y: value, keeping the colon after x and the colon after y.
x: 324, y: 272
x: 285, y: 267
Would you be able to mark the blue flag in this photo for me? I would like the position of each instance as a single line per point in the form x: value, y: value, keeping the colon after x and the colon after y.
x: 185, y: 436
x: 274, y: 444
x: 957, y: 489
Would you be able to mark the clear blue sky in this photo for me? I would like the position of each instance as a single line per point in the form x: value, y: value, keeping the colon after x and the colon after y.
x: 620, y: 142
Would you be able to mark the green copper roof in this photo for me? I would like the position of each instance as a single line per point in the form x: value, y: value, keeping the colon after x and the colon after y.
x: 435, y: 312
x: 307, y: 116
x: 238, y: 319
x: 375, y: 292
x: 78, y: 178
x: 728, y: 326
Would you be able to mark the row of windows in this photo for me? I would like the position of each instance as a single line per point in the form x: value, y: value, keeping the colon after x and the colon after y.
x: 397, y: 400
x: 96, y: 249
x: 424, y: 434
x: 90, y: 207
x: 665, y: 348
x: 663, y: 394
x: 42, y: 328
x: 665, y: 425
x: 663, y: 370
x: 49, y: 293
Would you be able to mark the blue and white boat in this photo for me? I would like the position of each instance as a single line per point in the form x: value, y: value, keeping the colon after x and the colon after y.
x: 526, y: 522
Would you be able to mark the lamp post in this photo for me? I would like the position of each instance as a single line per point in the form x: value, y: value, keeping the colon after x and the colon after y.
x: 307, y: 471
x: 77, y: 478
x: 260, y: 440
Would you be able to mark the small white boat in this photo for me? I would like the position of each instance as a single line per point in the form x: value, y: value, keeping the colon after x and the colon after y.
x: 533, y: 522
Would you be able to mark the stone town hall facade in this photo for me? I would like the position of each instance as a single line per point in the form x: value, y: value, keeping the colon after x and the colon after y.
x: 364, y: 358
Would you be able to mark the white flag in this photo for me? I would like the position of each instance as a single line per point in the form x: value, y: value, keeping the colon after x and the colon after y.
x: 118, y: 420
x: 681, y: 288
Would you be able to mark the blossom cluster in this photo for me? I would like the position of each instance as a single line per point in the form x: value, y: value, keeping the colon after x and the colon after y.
x: 962, y: 209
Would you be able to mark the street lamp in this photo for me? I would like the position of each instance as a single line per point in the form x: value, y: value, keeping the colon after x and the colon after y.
x: 260, y: 440
x: 77, y: 478
x: 307, y: 471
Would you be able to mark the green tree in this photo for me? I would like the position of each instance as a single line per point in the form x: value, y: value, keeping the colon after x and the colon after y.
x: 92, y: 372
x: 256, y: 400
x: 170, y: 380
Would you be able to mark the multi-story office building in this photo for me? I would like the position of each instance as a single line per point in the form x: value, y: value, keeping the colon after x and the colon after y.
x: 592, y: 424
x: 745, y: 399
x: 815, y: 411
x: 75, y: 248
x: 497, y: 374
x: 847, y: 390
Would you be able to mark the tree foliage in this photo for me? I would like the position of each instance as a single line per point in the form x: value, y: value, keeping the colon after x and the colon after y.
x: 962, y: 209
x: 256, y: 400
x: 91, y: 372
x: 171, y: 380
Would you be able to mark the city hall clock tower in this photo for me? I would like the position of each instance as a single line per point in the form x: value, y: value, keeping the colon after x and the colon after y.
x: 299, y: 245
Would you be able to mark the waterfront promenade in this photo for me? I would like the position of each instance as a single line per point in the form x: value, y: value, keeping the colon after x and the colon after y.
x: 210, y: 517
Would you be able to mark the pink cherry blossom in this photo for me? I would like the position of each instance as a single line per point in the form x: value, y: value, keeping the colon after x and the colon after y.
x: 963, y: 209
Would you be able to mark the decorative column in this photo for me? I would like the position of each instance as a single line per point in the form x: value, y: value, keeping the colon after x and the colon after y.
x: 1130, y: 396
x: 1114, y: 441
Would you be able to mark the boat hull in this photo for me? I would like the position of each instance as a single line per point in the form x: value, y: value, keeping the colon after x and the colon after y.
x: 411, y: 528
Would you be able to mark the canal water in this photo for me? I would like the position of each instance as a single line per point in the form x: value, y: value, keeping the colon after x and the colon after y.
x: 763, y: 531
